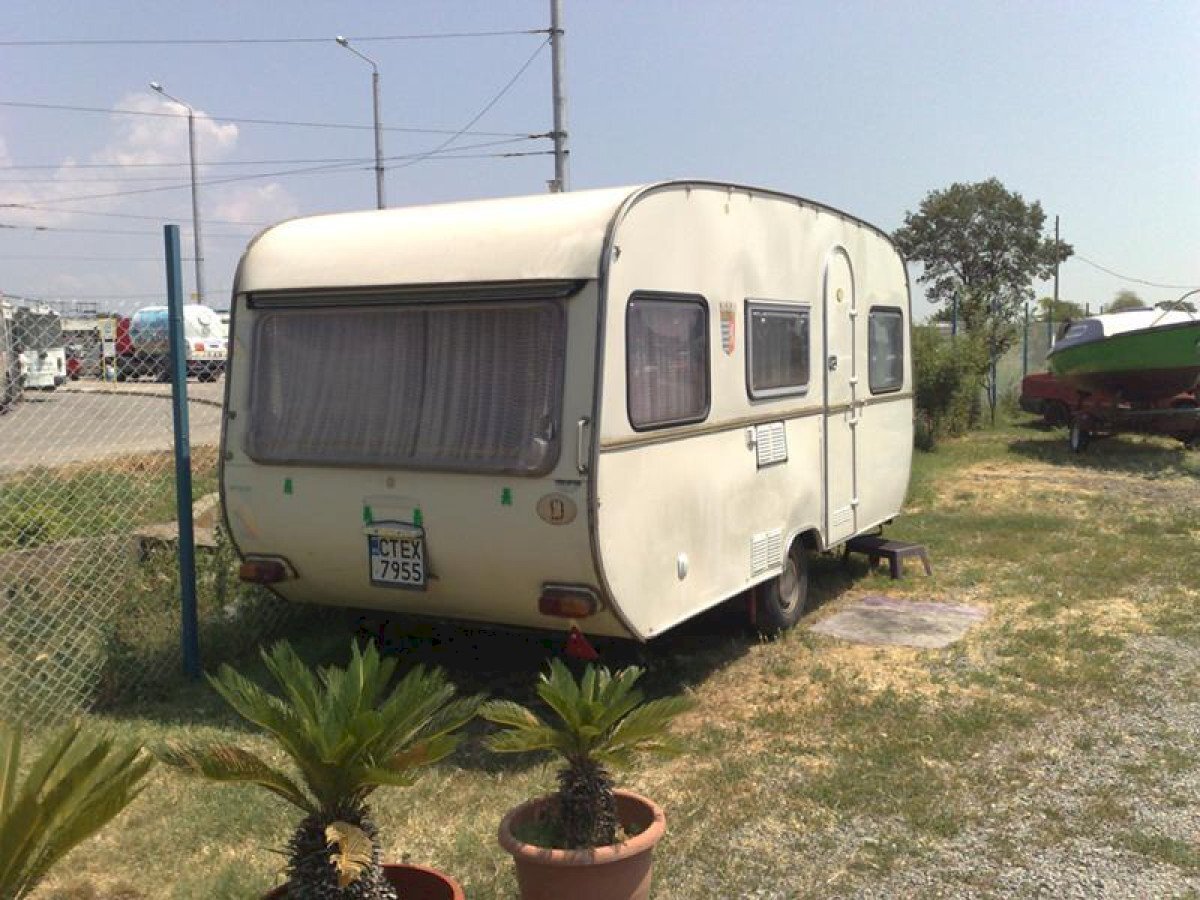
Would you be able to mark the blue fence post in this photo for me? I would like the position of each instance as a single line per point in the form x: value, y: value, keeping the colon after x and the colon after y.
x: 1025, y: 345
x: 189, y: 631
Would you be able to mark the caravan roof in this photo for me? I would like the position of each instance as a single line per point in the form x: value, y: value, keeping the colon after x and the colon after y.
x: 551, y: 236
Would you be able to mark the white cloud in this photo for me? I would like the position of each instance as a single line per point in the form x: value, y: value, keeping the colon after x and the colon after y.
x: 255, y: 204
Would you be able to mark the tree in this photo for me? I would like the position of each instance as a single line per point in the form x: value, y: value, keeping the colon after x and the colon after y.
x: 1063, y: 309
x: 1126, y: 300
x: 981, y: 245
x: 1183, y: 305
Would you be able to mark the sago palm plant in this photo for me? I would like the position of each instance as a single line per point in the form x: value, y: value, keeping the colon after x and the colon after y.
x: 76, y: 786
x: 602, y: 721
x: 347, y: 733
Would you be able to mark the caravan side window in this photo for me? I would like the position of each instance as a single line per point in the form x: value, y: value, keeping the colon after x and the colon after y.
x: 777, y: 351
x: 666, y: 342
x: 885, y: 350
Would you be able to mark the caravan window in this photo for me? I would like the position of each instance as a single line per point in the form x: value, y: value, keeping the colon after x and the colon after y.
x: 467, y: 387
x: 885, y: 350
x: 777, y: 352
x: 667, y: 346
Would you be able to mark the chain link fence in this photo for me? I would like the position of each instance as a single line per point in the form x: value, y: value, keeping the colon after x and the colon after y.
x: 89, y: 574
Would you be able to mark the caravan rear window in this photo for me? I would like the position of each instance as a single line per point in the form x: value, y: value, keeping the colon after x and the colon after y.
x: 667, y: 346
x: 466, y: 387
x: 885, y: 350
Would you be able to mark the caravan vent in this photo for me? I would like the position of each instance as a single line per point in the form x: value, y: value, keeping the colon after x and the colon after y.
x: 771, y: 441
x: 842, y: 517
x: 766, y: 551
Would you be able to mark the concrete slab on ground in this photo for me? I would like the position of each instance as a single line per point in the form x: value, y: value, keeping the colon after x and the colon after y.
x: 906, y: 623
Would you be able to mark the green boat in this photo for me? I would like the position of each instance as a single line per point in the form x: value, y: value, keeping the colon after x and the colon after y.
x: 1139, y: 356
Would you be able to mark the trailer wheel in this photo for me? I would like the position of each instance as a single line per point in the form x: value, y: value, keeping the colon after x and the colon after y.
x: 1079, y: 437
x: 781, y: 601
x: 1055, y: 413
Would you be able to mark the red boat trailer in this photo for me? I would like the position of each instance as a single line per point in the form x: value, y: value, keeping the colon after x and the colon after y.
x: 1091, y: 416
x: 1102, y: 417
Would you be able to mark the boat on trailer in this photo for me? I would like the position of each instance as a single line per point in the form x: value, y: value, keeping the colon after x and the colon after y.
x: 1138, y: 356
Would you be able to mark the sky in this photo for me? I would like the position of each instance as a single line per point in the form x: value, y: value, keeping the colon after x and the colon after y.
x: 1091, y: 109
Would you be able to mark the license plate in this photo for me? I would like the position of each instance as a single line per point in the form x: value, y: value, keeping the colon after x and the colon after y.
x: 396, y: 554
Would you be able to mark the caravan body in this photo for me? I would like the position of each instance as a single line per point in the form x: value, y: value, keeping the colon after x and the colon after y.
x: 616, y: 408
x: 12, y: 377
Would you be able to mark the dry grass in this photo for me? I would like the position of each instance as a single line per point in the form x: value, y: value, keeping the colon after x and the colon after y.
x: 812, y: 764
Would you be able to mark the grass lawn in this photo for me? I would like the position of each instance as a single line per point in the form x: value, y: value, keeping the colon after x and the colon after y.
x: 814, y: 767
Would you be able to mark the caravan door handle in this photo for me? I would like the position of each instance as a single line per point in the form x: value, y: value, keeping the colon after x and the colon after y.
x: 581, y: 457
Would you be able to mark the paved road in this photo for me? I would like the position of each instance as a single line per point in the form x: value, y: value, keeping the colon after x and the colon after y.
x: 85, y: 424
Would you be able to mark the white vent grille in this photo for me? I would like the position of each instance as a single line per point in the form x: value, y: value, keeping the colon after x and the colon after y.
x: 771, y: 441
x: 842, y: 517
x: 766, y: 551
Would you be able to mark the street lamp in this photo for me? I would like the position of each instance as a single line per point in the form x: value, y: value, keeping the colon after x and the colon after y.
x: 378, y: 129
x: 154, y: 85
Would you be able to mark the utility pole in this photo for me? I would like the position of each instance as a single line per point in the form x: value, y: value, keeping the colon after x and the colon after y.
x: 1050, y: 317
x: 380, y: 202
x: 196, y: 243
x: 561, y: 175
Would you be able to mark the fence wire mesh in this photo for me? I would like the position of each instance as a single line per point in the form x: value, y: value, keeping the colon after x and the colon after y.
x: 89, y: 577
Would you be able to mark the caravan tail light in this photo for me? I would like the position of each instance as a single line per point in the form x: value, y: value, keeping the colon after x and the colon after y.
x: 568, y: 601
x: 264, y: 571
x: 198, y: 346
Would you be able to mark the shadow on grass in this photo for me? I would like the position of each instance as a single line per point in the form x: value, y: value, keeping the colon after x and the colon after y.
x: 1147, y: 457
x: 497, y: 662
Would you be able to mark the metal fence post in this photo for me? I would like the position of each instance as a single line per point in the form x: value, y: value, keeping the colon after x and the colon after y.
x: 189, y: 630
x: 1025, y: 345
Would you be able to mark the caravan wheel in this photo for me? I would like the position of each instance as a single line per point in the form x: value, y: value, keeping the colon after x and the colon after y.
x: 784, y: 599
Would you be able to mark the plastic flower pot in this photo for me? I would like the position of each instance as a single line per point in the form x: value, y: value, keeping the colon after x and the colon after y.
x: 615, y: 872
x: 410, y: 882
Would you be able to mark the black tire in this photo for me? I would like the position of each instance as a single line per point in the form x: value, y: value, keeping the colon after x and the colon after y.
x: 1056, y: 413
x: 1078, y: 437
x: 780, y: 602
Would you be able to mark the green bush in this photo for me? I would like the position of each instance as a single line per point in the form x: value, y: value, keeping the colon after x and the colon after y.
x: 948, y: 378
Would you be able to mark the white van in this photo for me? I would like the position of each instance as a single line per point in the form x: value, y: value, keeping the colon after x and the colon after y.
x: 38, y: 334
x: 612, y: 409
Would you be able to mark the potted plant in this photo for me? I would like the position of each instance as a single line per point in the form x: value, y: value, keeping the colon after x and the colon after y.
x: 588, y: 841
x: 76, y: 786
x: 346, y: 733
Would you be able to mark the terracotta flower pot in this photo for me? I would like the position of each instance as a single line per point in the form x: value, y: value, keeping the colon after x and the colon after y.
x: 616, y: 872
x: 410, y: 882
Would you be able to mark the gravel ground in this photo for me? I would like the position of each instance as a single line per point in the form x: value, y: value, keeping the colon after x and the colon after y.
x: 1088, y: 786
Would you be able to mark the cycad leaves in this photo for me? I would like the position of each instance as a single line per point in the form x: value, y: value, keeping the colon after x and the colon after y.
x: 225, y: 762
x: 75, y: 787
x: 346, y: 730
x: 602, y: 718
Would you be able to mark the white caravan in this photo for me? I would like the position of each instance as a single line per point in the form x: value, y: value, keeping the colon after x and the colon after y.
x: 612, y: 409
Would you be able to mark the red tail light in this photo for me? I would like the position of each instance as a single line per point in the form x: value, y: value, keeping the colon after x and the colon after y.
x: 264, y: 571
x: 568, y: 601
x: 198, y: 347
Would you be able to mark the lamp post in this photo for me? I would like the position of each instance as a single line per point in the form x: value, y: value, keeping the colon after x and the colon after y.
x: 154, y: 85
x: 379, y: 201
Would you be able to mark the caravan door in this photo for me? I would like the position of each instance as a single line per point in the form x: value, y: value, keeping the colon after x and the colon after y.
x: 842, y: 406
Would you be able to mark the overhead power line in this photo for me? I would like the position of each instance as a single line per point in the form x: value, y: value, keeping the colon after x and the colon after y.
x: 162, y: 217
x: 1130, y: 278
x: 238, y: 120
x: 113, y: 231
x: 184, y: 165
x: 486, y: 108
x: 145, y: 42
x: 310, y: 170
